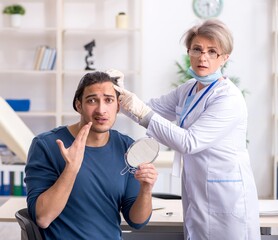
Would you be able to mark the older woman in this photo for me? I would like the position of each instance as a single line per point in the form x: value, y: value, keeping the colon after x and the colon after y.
x: 218, y: 188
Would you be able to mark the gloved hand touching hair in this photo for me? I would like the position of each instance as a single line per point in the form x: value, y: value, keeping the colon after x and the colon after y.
x: 131, y: 104
x: 116, y: 74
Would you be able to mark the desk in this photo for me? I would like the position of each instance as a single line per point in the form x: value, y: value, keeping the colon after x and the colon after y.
x: 166, y: 223
x: 10, y: 206
x: 160, y: 218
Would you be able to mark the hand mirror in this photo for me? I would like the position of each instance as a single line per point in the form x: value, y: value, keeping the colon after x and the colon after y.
x: 144, y: 150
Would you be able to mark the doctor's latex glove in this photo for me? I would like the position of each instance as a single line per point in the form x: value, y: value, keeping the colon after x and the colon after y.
x: 116, y: 74
x: 130, y: 103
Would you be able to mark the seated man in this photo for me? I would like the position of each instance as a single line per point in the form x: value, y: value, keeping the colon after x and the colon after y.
x: 74, y: 186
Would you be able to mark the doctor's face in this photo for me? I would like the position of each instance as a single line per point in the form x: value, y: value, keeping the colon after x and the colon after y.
x: 210, y: 59
x: 99, y: 105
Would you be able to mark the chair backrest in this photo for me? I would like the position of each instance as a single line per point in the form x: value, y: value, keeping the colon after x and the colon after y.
x: 29, y: 230
x: 166, y: 196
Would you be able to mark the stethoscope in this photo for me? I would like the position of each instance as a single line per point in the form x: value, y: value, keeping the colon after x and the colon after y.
x: 190, y: 98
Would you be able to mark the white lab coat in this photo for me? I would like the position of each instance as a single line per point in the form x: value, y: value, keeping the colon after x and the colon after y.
x: 218, y: 190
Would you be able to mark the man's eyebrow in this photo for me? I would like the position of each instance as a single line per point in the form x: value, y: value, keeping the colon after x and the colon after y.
x: 108, y: 95
x: 105, y: 95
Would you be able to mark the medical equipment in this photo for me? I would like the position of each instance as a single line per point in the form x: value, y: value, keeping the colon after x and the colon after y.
x: 14, y: 132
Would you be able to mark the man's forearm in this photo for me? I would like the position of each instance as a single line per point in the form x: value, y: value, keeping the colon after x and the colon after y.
x: 142, y: 208
x: 51, y: 203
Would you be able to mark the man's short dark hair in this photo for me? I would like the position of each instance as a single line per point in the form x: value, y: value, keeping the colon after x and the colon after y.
x: 89, y: 79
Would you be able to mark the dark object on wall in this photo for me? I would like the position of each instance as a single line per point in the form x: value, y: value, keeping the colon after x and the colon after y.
x: 89, y: 59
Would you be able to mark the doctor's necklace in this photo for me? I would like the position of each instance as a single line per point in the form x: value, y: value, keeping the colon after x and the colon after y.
x: 196, y: 103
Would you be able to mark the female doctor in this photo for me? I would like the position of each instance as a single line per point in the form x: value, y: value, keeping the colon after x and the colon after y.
x: 218, y: 190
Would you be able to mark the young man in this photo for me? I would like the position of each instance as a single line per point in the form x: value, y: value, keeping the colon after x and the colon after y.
x: 75, y: 189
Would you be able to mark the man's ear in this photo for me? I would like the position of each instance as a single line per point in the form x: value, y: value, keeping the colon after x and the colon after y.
x: 78, y: 106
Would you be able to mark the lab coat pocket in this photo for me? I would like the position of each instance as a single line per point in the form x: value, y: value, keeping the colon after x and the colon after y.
x: 227, y: 215
x: 226, y: 193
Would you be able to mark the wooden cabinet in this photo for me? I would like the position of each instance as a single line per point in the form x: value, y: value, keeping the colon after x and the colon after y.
x: 67, y: 25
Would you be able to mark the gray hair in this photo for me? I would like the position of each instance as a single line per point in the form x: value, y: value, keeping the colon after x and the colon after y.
x: 212, y: 29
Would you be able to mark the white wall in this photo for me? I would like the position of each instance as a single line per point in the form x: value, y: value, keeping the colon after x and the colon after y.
x: 250, y: 21
x: 165, y: 21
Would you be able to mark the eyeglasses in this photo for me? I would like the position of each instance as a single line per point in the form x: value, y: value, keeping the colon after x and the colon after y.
x: 196, y: 52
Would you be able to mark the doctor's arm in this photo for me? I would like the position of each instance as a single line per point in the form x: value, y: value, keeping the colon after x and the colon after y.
x: 219, y: 120
x: 141, y: 210
x: 199, y: 136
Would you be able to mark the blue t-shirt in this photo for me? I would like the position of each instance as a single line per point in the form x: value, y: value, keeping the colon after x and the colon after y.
x: 99, y: 193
